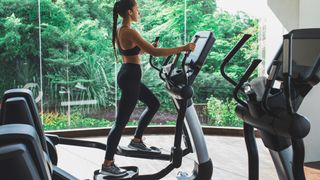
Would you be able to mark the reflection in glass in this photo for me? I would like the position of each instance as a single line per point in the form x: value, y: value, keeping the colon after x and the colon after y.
x: 77, y: 64
x: 19, y: 46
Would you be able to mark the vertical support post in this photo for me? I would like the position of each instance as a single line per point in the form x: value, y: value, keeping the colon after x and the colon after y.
x: 40, y: 62
x: 185, y: 21
x: 253, y: 156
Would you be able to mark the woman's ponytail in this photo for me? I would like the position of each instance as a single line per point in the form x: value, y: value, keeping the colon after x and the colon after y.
x: 120, y: 8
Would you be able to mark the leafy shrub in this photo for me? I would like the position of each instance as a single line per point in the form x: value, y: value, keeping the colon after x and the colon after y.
x: 222, y: 113
x: 56, y: 121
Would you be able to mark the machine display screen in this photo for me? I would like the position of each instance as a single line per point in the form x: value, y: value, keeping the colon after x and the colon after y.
x: 304, y: 56
x: 194, y: 56
x: 304, y: 51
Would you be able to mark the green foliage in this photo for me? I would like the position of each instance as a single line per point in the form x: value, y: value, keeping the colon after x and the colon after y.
x: 18, y: 50
x: 211, y: 84
x: 56, y: 121
x: 222, y: 113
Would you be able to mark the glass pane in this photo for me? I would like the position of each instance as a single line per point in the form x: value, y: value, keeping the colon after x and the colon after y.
x: 78, y: 63
x: 213, y: 94
x: 167, y: 23
x: 19, y: 46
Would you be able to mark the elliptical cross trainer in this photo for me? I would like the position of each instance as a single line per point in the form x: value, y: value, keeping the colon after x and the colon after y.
x: 38, y: 159
x: 273, y: 110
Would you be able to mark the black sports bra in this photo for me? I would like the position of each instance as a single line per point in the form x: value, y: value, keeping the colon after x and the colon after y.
x: 128, y: 52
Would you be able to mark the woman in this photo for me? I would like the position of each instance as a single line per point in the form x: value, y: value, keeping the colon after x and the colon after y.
x: 131, y: 45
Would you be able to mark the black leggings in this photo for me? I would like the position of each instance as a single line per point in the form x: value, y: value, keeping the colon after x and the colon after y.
x: 133, y: 90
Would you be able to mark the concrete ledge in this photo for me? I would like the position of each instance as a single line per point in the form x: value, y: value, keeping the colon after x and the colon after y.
x: 313, y: 165
x: 93, y: 132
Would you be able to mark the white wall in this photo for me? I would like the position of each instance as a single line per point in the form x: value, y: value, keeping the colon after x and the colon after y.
x: 310, y: 109
x: 274, y: 33
x: 309, y: 14
x: 287, y: 12
x: 295, y: 14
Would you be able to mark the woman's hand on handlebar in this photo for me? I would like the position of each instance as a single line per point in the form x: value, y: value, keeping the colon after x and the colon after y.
x: 155, y: 43
x: 189, y: 47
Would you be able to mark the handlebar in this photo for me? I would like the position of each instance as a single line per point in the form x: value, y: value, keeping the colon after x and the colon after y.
x: 150, y: 58
x: 287, y: 70
x: 196, y: 38
x: 243, y: 79
x: 230, y: 55
x: 275, y: 67
x: 174, y: 63
x: 167, y: 60
x: 157, y: 39
x: 247, y: 74
x: 168, y: 67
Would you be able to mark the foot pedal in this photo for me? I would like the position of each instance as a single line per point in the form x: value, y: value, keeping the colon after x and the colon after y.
x: 184, y: 176
x: 132, y: 171
x: 127, y: 151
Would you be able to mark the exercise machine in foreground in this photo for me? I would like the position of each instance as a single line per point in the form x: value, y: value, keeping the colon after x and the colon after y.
x: 273, y: 110
x: 39, y: 159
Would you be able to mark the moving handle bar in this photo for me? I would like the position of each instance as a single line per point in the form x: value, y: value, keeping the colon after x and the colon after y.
x: 243, y: 79
x: 230, y: 55
x: 174, y: 63
x: 287, y: 70
x: 194, y: 40
x: 150, y: 58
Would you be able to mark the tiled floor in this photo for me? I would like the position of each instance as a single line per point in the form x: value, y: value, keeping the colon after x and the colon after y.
x: 312, y: 170
x: 228, y: 154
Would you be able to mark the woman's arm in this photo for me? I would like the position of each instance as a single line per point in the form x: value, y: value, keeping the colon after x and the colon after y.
x: 154, y: 44
x: 146, y: 47
x: 141, y: 52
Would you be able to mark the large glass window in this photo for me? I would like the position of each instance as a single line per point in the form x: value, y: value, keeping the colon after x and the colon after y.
x: 74, y: 66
